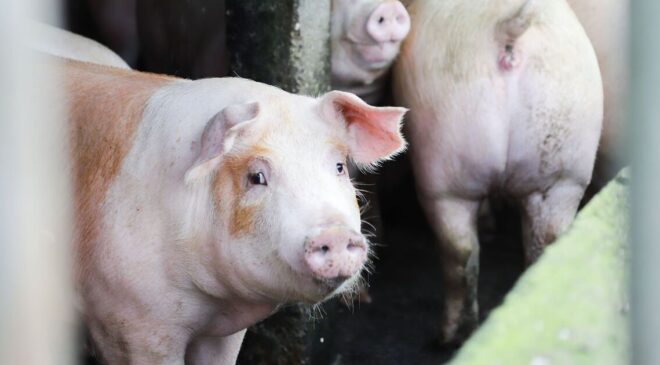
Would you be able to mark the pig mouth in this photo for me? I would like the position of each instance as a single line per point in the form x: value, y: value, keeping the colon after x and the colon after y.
x: 320, y: 289
x: 330, y: 285
x: 345, y: 286
x: 376, y: 54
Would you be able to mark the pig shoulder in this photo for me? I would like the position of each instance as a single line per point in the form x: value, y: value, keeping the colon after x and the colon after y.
x: 105, y: 107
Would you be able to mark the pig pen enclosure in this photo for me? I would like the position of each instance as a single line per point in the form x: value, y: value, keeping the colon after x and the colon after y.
x: 287, y: 44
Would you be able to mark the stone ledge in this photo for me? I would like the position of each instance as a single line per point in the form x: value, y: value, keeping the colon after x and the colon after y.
x: 572, y: 306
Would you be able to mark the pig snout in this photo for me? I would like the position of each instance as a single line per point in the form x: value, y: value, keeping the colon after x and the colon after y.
x: 335, y: 255
x: 389, y: 22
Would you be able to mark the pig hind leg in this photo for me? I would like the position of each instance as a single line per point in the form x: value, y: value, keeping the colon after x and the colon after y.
x: 454, y: 222
x: 548, y: 214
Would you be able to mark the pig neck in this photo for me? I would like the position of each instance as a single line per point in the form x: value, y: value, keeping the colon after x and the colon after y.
x: 227, y: 317
x: 230, y: 304
x: 206, y: 268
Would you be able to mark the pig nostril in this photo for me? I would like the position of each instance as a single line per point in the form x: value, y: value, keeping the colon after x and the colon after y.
x: 325, y: 248
x: 381, y: 20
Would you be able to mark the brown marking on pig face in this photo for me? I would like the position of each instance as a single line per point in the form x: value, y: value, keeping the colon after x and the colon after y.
x: 105, y: 108
x: 242, y: 220
x: 234, y: 171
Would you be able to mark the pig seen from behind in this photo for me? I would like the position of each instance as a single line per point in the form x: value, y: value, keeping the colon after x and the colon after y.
x: 505, y: 96
x: 201, y: 206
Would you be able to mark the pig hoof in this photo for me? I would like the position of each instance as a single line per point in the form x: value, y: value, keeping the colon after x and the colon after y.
x: 454, y: 334
x: 456, y: 339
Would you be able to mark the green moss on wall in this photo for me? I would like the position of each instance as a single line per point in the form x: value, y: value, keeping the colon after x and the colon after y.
x: 572, y: 306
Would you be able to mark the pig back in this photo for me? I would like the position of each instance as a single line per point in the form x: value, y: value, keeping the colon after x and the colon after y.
x: 456, y: 42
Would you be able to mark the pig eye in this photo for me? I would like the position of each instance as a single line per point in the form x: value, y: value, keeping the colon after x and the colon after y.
x: 257, y: 178
x: 341, y: 168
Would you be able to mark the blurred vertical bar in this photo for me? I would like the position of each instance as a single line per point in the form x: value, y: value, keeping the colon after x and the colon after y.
x: 645, y: 147
x: 36, y: 317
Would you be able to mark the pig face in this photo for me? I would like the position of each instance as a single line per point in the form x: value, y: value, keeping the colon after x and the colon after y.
x: 366, y: 37
x: 285, y: 212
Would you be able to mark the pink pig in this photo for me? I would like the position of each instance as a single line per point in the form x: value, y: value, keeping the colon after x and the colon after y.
x: 201, y: 206
x: 505, y: 97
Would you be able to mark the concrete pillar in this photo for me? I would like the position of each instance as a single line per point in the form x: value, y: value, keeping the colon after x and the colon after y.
x: 285, y: 43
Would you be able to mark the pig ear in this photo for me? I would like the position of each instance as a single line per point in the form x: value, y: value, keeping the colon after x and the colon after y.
x: 219, y: 136
x: 374, y: 133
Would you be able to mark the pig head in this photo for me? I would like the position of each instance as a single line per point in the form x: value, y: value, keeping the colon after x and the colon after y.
x: 365, y: 37
x: 278, y: 178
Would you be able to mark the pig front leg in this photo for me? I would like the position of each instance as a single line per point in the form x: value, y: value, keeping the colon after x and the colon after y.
x: 454, y: 222
x: 139, y: 343
x: 207, y: 350
x: 548, y: 214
